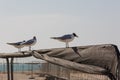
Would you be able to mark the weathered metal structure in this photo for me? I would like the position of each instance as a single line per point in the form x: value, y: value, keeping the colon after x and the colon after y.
x: 56, y: 71
x: 94, y: 59
x: 10, y: 60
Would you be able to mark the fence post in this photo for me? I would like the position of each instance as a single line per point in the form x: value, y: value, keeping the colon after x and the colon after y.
x: 12, y: 77
x: 8, y: 68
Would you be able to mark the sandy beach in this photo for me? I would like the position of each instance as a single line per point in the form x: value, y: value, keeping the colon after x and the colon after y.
x: 21, y: 76
x: 74, y: 76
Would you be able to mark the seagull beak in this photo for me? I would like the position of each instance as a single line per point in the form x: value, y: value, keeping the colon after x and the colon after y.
x: 77, y: 36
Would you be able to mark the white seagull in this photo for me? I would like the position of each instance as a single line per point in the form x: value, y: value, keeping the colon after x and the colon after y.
x: 30, y: 42
x: 66, y: 38
x: 18, y: 45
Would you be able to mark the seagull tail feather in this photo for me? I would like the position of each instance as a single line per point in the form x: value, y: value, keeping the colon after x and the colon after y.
x: 54, y: 38
x: 10, y: 43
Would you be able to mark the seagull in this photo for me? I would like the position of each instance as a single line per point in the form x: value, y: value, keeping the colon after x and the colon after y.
x: 18, y: 45
x: 66, y: 38
x: 30, y: 42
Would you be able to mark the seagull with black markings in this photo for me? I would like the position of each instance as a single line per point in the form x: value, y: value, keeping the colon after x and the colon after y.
x: 18, y: 45
x: 66, y: 38
x: 30, y: 42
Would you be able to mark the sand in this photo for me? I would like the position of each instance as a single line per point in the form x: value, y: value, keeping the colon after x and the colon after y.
x: 73, y: 76
x: 21, y: 76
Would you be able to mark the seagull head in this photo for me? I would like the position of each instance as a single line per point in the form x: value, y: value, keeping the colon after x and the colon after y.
x: 34, y: 37
x: 23, y: 40
x: 75, y: 35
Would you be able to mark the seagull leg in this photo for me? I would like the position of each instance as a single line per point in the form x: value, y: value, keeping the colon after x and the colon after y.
x: 29, y: 48
x: 19, y: 49
x: 67, y: 45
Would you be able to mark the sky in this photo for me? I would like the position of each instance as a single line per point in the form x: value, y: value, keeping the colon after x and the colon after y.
x: 94, y: 21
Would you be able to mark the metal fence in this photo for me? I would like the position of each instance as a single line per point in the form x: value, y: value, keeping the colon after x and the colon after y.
x: 48, y: 69
x: 58, y: 71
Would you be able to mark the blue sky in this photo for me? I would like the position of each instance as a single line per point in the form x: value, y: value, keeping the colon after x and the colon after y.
x: 95, y: 21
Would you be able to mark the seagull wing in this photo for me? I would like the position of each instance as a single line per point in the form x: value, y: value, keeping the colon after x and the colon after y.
x: 66, y: 37
x: 29, y: 42
x: 63, y: 37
